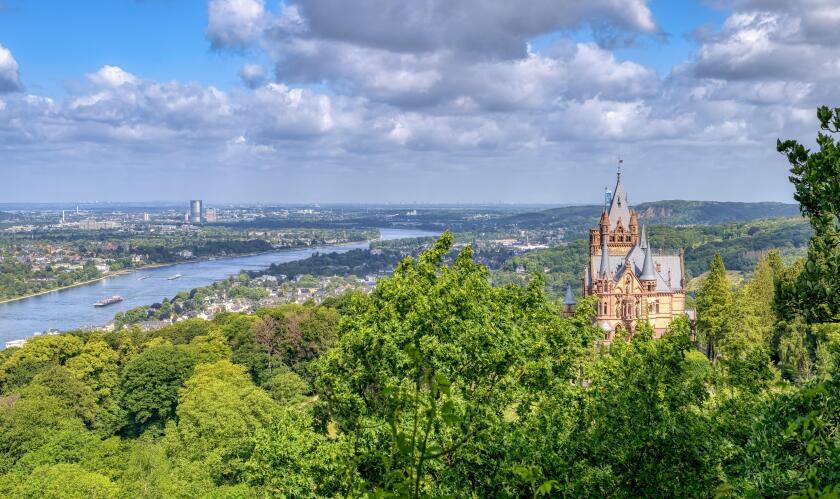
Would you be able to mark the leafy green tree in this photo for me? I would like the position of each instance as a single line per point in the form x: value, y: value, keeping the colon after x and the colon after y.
x: 219, y: 410
x: 641, y: 430
x: 65, y: 481
x: 816, y: 178
x: 210, y: 348
x: 150, y: 383
x: 291, y: 460
x: 305, y: 333
x: 64, y: 386
x: 238, y: 330
x: 37, y: 353
x: 286, y: 387
x: 794, y: 451
x: 21, y: 372
x: 714, y: 302
x: 431, y: 364
x: 27, y: 423
x: 96, y: 366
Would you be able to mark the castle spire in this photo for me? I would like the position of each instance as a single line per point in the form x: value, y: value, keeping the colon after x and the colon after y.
x: 648, y: 274
x: 570, y: 297
x: 643, y: 241
x: 604, y: 272
x: 618, y: 170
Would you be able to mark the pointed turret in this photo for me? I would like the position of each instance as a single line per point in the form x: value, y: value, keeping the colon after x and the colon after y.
x: 570, y: 297
x: 619, y: 205
x: 569, y: 303
x: 604, y: 271
x: 643, y: 240
x: 648, y: 273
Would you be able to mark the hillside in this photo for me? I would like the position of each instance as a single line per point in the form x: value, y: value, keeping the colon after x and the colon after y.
x: 577, y: 220
x: 741, y: 244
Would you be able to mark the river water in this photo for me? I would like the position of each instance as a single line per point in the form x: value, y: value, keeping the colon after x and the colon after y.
x: 73, y: 308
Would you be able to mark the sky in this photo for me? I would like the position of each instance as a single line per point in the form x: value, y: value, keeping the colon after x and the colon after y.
x: 427, y: 101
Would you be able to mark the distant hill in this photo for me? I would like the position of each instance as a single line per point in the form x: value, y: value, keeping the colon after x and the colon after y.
x: 577, y: 220
x: 677, y: 212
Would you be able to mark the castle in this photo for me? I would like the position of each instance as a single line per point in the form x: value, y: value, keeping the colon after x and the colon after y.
x: 632, y: 283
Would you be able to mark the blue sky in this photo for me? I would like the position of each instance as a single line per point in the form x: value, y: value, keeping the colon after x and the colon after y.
x: 164, y: 40
x: 313, y: 100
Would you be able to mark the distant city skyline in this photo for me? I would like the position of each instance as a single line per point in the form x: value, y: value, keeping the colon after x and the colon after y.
x: 306, y: 101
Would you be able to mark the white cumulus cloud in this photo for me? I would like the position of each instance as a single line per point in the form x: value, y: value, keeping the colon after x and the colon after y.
x: 9, y: 72
x: 235, y: 23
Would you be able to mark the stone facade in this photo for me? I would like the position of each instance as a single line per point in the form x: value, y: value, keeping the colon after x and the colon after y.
x: 632, y: 282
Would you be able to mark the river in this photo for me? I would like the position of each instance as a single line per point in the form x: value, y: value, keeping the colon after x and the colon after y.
x: 73, y: 307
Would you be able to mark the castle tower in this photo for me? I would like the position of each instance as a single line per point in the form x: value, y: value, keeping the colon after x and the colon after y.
x: 631, y: 283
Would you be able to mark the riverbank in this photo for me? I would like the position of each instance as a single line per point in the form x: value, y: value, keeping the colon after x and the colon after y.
x: 69, y: 286
x: 72, y: 308
x: 150, y: 266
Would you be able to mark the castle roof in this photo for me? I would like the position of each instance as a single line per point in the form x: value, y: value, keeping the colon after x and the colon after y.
x: 619, y: 206
x: 570, y: 298
x: 616, y: 265
x: 648, y: 273
x: 605, y: 218
x: 604, y: 269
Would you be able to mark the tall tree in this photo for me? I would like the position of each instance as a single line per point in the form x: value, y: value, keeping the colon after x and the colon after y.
x: 432, y: 364
x: 816, y: 178
x: 714, y: 302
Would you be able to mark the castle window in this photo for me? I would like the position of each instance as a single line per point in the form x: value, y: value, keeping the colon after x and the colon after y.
x: 658, y: 267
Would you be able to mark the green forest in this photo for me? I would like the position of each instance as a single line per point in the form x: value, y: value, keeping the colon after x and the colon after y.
x: 18, y: 279
x: 441, y: 384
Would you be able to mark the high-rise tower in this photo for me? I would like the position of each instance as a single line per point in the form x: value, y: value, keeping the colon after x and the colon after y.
x: 195, y: 211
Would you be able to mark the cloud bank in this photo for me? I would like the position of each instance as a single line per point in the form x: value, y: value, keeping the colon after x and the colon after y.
x: 450, y: 98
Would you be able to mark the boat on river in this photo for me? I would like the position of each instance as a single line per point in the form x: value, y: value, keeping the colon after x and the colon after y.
x: 176, y: 276
x: 108, y: 301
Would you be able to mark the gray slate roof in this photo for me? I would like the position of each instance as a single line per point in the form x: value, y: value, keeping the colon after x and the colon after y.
x: 648, y: 273
x: 619, y: 207
x: 615, y: 264
x: 570, y: 297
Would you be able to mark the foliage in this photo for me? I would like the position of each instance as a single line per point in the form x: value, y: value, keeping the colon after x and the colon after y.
x: 219, y: 410
x: 714, y: 302
x: 150, y: 383
x: 430, y: 365
x: 816, y: 178
x: 437, y: 384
